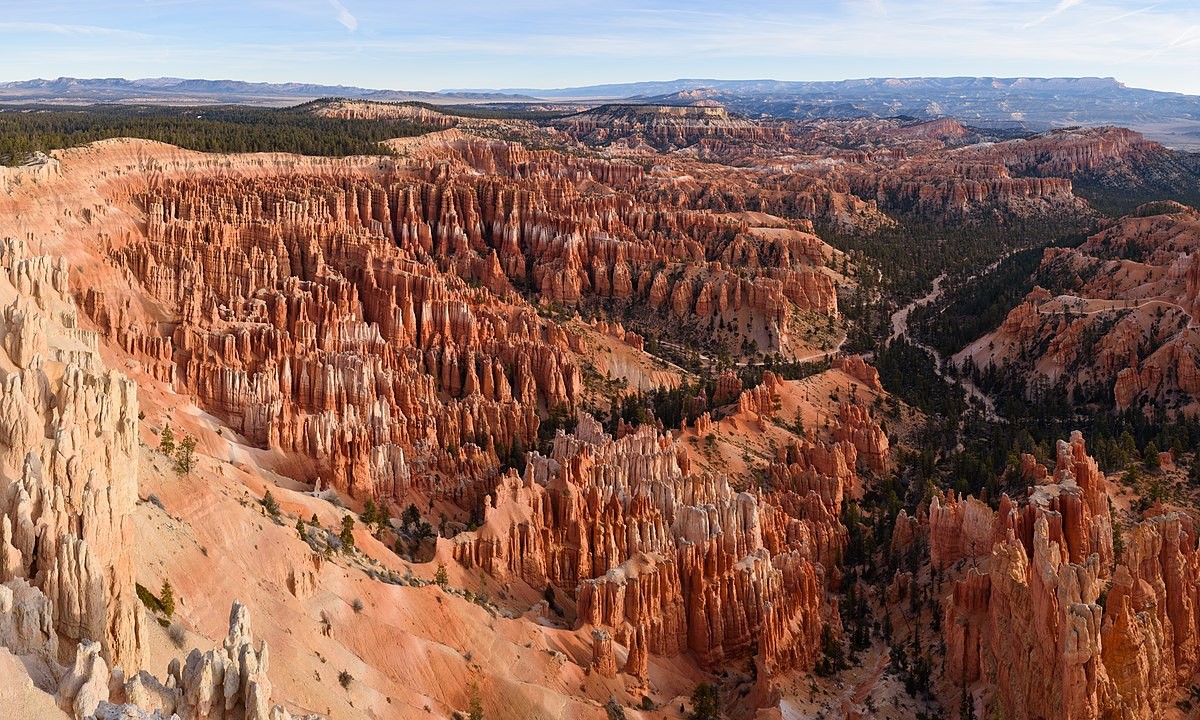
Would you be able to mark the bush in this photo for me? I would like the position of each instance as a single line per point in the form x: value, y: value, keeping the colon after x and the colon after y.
x: 441, y: 577
x: 357, y: 605
x: 271, y: 504
x: 152, y: 603
x: 177, y: 634
x: 614, y: 710
x: 344, y: 679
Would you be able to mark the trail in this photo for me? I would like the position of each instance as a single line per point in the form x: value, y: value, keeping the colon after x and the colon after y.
x: 1042, y: 310
x: 900, y: 329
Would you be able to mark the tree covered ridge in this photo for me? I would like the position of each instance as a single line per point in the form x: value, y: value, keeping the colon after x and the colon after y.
x: 25, y: 130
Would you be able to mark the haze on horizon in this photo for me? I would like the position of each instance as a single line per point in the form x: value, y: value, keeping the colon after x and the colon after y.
x: 544, y: 44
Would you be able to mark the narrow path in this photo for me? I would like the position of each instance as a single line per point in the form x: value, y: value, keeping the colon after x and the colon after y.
x: 900, y: 328
x: 1192, y: 325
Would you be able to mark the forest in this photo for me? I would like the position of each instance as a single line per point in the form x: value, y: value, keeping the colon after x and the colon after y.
x: 28, y: 129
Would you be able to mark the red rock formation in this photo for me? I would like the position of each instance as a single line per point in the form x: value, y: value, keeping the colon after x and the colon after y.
x: 1128, y: 330
x: 857, y: 368
x: 68, y: 448
x: 1028, y: 621
x: 666, y: 560
x: 856, y: 427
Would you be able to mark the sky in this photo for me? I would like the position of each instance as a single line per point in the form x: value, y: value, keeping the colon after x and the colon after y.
x: 437, y: 44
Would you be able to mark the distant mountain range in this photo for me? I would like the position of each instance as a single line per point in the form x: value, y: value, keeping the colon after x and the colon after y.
x: 1033, y: 103
x: 191, y: 92
x: 1023, y: 103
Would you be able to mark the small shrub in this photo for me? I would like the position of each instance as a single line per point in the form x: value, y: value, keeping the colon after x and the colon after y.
x: 303, y: 532
x: 441, y: 578
x: 357, y: 605
x: 155, y: 501
x: 152, y: 603
x: 344, y: 679
x: 177, y: 634
x: 614, y: 710
x: 270, y: 504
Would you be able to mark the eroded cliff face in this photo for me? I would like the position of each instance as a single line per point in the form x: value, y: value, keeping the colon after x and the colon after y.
x: 1044, y: 621
x: 69, y: 435
x: 667, y: 557
x: 664, y: 559
x: 373, y: 324
x: 1119, y: 328
x: 68, y: 486
x: 398, y: 329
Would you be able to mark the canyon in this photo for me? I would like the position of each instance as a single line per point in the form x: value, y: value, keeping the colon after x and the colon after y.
x: 550, y: 419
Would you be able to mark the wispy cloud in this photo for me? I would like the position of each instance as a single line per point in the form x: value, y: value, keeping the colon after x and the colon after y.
x: 1059, y: 9
x: 1124, y: 15
x: 478, y: 43
x: 69, y: 29
x: 344, y: 16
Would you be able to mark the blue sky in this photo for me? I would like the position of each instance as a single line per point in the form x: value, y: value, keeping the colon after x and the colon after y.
x: 437, y: 44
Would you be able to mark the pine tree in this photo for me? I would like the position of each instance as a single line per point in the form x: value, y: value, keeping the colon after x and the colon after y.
x: 271, y: 504
x: 1150, y: 457
x: 166, y: 441
x: 167, y: 598
x: 185, y: 455
x: 706, y: 702
x: 347, y: 534
x: 475, y: 711
x: 300, y: 529
x: 441, y: 578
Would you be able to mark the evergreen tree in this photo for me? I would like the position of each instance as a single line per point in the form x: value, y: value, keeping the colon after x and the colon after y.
x: 475, y: 710
x: 167, y: 598
x: 347, y: 534
x: 185, y: 455
x: 706, y: 702
x: 1150, y: 457
x: 270, y: 504
x: 166, y: 441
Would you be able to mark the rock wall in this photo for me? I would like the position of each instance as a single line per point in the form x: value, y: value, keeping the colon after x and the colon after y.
x: 665, y: 560
x: 68, y: 478
x: 1118, y: 330
x: 1047, y: 620
x: 226, y: 683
